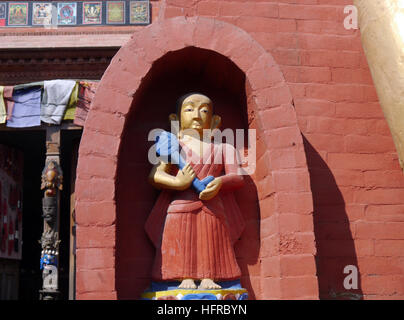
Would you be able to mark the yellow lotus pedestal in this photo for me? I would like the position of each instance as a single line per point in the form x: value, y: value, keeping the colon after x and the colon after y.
x: 231, y: 290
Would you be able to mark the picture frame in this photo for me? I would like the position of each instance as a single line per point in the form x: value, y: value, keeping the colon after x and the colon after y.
x: 67, y: 13
x: 18, y: 13
x: 92, y: 12
x: 41, y: 13
x: 139, y: 12
x: 115, y: 12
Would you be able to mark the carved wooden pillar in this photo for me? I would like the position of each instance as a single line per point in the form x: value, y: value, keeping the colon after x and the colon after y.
x: 52, y: 183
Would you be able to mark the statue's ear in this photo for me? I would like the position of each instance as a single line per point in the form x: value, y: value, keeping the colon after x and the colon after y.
x: 173, y: 117
x: 216, y: 122
x: 175, y: 127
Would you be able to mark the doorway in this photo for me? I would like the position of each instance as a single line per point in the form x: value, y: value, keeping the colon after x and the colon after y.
x: 27, y: 280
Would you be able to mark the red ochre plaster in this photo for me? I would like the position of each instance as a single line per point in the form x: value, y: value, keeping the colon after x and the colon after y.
x: 284, y: 266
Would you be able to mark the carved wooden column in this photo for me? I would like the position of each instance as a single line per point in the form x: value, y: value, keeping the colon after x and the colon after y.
x: 52, y: 183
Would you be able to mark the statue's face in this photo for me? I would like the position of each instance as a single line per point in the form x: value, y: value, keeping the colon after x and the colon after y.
x: 49, y: 213
x: 196, y: 113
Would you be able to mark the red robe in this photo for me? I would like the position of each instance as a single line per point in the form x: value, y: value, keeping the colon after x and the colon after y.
x: 194, y: 238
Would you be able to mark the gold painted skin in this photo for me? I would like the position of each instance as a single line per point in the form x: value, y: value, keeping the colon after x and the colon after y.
x: 196, y: 114
x: 382, y: 30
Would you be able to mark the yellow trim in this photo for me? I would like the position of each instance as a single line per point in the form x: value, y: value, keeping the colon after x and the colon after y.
x: 158, y: 294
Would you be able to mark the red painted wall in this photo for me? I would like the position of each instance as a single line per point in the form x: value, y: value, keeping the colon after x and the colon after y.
x: 356, y: 182
x: 249, y: 89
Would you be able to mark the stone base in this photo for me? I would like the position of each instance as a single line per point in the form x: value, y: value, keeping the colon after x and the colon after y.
x: 49, y: 294
x: 231, y: 290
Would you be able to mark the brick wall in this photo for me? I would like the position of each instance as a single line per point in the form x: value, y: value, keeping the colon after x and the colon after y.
x: 279, y: 231
x: 356, y: 182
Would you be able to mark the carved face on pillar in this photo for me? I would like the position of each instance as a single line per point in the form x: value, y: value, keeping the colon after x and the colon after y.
x: 49, y: 208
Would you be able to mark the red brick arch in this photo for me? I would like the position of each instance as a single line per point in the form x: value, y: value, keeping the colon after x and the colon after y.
x: 286, y: 267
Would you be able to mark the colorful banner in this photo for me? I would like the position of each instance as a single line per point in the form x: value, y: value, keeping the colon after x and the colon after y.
x: 74, y: 13
x: 50, y: 101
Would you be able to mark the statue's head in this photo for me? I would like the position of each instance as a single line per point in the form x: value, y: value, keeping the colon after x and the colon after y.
x: 195, y: 111
x: 49, y: 207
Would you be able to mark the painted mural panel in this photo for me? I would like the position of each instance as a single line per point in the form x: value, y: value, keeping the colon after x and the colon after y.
x: 41, y: 13
x: 18, y: 14
x: 77, y: 13
x: 3, y: 13
x: 67, y: 13
x: 115, y: 12
x: 139, y: 12
x: 92, y: 12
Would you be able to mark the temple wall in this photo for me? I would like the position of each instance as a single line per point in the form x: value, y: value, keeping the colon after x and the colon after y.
x: 356, y: 179
x: 356, y: 182
x: 250, y: 92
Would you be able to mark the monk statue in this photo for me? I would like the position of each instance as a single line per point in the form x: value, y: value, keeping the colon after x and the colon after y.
x: 194, y: 232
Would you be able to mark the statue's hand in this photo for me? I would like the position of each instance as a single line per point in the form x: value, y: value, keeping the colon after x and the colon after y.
x: 211, y: 190
x: 185, y: 177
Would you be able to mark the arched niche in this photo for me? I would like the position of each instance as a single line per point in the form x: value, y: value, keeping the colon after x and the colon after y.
x: 136, y: 94
x: 176, y: 73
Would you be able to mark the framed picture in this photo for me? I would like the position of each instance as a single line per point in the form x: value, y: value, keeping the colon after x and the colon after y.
x: 115, y: 12
x: 17, y: 13
x: 92, y: 12
x: 67, y: 13
x: 139, y: 12
x: 3, y: 13
x: 3, y: 10
x: 41, y: 13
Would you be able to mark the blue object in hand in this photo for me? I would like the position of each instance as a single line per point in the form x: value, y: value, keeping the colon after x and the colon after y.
x: 168, y: 148
x: 47, y: 259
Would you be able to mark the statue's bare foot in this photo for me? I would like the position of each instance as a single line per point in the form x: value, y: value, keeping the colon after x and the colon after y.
x: 187, y: 284
x: 208, y: 284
